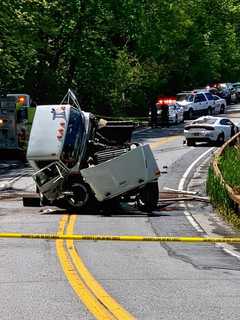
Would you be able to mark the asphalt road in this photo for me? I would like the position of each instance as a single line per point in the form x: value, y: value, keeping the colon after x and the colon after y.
x: 149, y: 280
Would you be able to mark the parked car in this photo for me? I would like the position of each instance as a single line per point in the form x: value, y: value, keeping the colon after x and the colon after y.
x: 236, y: 87
x: 168, y: 111
x: 223, y: 90
x: 197, y: 102
x: 220, y: 104
x: 210, y: 129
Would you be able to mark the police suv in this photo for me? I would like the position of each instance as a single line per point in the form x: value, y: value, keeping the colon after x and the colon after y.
x: 197, y: 102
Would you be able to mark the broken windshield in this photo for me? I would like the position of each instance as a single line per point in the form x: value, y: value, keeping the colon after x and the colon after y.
x: 52, y: 172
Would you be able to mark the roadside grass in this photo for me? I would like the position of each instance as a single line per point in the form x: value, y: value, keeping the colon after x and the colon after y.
x: 220, y: 199
x: 229, y: 165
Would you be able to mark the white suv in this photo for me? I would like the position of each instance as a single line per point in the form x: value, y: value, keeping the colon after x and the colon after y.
x: 196, y: 103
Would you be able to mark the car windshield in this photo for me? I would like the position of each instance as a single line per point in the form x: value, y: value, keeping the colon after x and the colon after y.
x: 205, y: 121
x: 236, y: 85
x: 185, y: 97
x: 222, y: 86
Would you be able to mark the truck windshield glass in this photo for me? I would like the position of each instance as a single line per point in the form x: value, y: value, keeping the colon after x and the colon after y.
x: 73, y: 139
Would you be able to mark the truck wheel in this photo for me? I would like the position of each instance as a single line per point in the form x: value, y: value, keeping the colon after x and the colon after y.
x: 79, y: 198
x: 148, y: 197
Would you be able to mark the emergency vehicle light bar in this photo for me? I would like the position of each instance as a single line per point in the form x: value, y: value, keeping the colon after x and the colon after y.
x: 166, y: 101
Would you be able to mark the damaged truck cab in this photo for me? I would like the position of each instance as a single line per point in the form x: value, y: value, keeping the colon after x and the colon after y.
x: 76, y: 162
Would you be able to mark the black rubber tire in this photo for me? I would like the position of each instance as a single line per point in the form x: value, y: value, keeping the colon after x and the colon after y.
x: 222, y: 109
x: 220, y: 139
x: 148, y: 197
x: 67, y: 202
x: 209, y: 111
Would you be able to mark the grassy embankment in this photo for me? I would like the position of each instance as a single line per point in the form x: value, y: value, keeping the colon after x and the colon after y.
x: 229, y: 165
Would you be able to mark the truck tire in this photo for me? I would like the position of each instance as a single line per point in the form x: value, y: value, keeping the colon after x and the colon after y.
x: 148, y: 197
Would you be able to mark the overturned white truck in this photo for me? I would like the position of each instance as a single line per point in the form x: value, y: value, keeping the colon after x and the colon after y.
x: 77, y: 162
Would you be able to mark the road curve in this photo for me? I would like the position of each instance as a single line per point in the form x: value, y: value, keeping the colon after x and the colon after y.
x: 144, y: 280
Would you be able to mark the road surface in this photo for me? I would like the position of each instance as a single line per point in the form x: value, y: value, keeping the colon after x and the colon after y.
x: 120, y: 280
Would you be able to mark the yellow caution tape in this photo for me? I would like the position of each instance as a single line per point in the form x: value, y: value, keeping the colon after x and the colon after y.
x: 119, y: 238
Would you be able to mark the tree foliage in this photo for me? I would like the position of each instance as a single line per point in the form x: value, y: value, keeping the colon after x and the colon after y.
x: 117, y: 55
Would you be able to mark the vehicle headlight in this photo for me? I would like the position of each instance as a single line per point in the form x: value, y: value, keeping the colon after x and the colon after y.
x: 3, y: 122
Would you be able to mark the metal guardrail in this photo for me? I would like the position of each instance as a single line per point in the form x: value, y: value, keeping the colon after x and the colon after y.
x: 235, y: 197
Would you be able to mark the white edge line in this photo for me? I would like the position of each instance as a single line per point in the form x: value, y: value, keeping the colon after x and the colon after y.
x: 229, y: 251
x: 186, y: 173
x: 188, y: 215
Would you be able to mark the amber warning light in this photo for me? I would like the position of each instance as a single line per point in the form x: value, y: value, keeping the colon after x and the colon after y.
x: 21, y: 100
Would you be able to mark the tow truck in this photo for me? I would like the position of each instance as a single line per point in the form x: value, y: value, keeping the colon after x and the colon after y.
x: 79, y: 160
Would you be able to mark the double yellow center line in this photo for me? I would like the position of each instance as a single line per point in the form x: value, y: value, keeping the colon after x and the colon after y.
x: 155, y: 143
x: 94, y: 297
